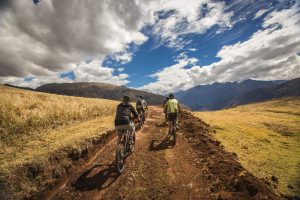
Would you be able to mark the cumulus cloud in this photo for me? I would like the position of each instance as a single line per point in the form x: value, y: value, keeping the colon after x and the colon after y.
x: 54, y: 35
x: 271, y: 53
x: 94, y: 72
x: 177, y: 18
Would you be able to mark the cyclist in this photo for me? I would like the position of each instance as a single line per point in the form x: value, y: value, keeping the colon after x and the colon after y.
x: 172, y: 108
x: 123, y: 119
x: 164, y: 103
x: 141, y: 106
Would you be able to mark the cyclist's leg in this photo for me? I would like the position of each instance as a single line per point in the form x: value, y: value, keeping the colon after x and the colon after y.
x: 176, y: 120
x: 129, y: 127
x: 143, y: 115
x: 169, y: 121
x: 119, y: 134
x: 139, y: 113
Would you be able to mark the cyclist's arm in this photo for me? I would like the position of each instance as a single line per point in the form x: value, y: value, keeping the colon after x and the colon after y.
x: 134, y: 112
x: 146, y: 105
x: 165, y: 107
x: 179, y: 108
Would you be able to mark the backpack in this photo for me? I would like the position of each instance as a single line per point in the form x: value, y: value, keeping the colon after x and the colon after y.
x: 139, y: 103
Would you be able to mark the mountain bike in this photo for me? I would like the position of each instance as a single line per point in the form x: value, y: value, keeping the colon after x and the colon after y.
x: 124, y: 148
x: 142, y: 118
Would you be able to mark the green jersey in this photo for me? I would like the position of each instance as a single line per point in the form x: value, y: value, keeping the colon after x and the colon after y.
x: 172, y: 106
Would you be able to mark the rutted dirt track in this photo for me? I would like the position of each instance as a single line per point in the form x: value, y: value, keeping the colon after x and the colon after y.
x: 197, y: 167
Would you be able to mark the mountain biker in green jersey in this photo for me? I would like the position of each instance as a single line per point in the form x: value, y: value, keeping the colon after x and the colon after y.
x: 172, y: 108
x: 123, y: 119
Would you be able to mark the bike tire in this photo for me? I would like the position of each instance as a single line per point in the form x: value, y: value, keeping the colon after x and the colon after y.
x: 120, y: 158
x: 131, y: 146
x: 174, y: 132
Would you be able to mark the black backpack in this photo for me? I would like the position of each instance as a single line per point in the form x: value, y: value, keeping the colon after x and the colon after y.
x: 139, y: 103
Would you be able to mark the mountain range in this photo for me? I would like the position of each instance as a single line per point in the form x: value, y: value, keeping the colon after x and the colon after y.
x: 221, y: 95
x: 99, y: 90
x: 203, y: 97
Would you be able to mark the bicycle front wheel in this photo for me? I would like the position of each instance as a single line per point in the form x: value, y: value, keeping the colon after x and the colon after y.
x: 120, y: 158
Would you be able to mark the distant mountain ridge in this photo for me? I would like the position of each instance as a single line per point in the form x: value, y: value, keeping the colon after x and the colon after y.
x: 99, y: 90
x: 221, y: 95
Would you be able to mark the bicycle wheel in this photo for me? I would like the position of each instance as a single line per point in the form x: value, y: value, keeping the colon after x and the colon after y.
x: 144, y: 117
x: 174, y: 131
x: 132, y: 143
x: 120, y: 157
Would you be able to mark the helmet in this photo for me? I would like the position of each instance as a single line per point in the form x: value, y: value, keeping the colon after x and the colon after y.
x: 171, y: 96
x: 126, y: 98
x: 141, y: 97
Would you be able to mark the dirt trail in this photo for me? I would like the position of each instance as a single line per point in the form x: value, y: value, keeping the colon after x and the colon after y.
x: 159, y: 170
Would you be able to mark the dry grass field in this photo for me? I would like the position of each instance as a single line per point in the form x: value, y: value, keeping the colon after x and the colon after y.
x: 266, y: 138
x: 34, y: 126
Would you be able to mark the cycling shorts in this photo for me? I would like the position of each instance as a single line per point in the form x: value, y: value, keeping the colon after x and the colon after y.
x: 171, y: 116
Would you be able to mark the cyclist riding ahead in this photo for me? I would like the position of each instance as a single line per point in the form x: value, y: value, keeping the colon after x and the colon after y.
x: 172, y: 108
x: 141, y: 106
x: 123, y: 119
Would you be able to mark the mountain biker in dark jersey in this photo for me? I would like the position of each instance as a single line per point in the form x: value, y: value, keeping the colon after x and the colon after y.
x: 172, y: 108
x: 123, y: 119
x: 141, y: 106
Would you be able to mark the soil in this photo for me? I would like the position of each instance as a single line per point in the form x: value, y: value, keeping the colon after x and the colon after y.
x: 196, y: 167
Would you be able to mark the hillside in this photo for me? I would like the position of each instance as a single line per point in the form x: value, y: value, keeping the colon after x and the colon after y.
x: 62, y: 147
x: 266, y: 138
x: 42, y: 134
x: 99, y: 90
x: 222, y: 95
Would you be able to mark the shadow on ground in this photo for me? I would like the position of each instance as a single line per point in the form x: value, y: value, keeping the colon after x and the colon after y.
x: 98, y: 177
x: 159, y: 145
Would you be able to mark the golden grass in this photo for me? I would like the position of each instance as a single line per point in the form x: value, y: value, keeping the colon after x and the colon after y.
x: 266, y: 138
x: 33, y: 124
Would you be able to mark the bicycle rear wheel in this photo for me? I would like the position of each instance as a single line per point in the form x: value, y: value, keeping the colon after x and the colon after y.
x: 120, y: 157
x: 174, y: 131
x: 132, y: 144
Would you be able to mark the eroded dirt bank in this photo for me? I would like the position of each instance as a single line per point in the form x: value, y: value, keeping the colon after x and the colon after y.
x: 197, y: 167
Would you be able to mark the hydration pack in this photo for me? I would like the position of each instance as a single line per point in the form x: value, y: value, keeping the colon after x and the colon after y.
x: 139, y: 103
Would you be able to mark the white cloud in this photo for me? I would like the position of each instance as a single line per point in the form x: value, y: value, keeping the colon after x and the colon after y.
x: 183, y: 18
x: 54, y: 35
x: 120, y: 69
x: 36, y: 81
x: 94, y: 72
x: 260, y: 13
x: 172, y: 78
x: 122, y: 57
x: 193, y: 49
x: 270, y: 54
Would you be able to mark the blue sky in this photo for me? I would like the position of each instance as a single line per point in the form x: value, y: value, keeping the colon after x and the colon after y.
x: 158, y: 46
